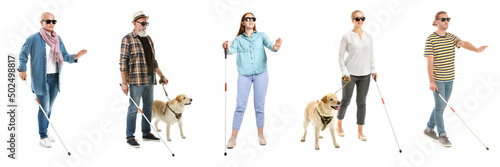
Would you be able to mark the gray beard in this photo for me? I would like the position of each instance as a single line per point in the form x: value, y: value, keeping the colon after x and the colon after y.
x: 142, y: 33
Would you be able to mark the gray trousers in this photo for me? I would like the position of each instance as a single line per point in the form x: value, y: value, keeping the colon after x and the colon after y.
x: 362, y: 84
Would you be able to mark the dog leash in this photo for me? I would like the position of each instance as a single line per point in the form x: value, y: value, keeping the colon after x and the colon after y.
x: 343, y: 86
x: 177, y: 115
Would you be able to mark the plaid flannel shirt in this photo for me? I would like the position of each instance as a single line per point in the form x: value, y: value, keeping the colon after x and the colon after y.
x: 133, y: 60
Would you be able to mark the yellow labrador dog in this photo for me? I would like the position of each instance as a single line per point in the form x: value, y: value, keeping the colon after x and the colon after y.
x: 170, y: 112
x: 322, y: 115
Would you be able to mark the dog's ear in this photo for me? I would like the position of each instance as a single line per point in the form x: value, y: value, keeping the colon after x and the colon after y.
x: 178, y: 98
x: 324, y: 99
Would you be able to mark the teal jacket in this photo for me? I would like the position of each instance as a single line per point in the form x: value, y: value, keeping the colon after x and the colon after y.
x: 251, y: 57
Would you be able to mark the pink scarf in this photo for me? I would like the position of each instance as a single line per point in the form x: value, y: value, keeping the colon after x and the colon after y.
x: 53, y: 41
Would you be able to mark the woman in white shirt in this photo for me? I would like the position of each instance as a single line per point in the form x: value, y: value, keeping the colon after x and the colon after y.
x: 356, y: 68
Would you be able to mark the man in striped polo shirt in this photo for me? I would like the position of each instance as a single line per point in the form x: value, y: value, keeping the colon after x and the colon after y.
x: 440, y: 54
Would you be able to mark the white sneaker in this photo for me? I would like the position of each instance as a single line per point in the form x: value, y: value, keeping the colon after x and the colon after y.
x: 45, y: 143
x: 51, y: 139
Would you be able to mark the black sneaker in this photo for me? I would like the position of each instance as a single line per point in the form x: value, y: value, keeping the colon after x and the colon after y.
x: 150, y: 137
x: 132, y: 142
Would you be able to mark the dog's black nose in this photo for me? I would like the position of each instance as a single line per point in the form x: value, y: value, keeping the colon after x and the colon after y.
x: 338, y: 102
x: 191, y: 100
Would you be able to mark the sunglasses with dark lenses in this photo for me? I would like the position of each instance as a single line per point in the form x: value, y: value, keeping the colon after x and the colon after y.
x: 143, y: 23
x: 359, y: 18
x: 50, y: 21
x: 444, y: 19
x: 250, y: 18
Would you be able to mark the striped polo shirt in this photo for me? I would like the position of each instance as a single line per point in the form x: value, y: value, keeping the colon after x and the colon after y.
x: 442, y: 48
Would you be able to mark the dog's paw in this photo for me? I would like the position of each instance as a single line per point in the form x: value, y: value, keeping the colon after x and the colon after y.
x: 168, y: 139
x: 302, y: 140
x: 183, y: 137
x: 320, y: 137
x: 316, y: 148
x: 159, y: 130
x: 337, y: 146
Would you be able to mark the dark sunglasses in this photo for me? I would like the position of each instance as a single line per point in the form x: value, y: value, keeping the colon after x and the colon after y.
x: 250, y: 18
x: 444, y: 19
x: 50, y: 21
x: 143, y: 23
x: 359, y: 18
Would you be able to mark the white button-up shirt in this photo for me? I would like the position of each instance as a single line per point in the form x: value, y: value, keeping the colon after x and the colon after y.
x: 360, y: 61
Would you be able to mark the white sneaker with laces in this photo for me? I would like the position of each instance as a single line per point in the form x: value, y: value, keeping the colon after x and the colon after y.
x: 51, y: 139
x: 45, y: 143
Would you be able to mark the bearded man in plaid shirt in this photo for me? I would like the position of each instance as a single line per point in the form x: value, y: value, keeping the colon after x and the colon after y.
x: 138, y: 67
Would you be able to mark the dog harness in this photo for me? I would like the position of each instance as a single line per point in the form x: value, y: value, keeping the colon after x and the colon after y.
x: 324, y: 119
x: 177, y: 115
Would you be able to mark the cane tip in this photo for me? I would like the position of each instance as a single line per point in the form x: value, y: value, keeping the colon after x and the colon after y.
x: 487, y: 148
x: 400, y: 151
x: 225, y: 153
x: 69, y: 154
x: 173, y: 155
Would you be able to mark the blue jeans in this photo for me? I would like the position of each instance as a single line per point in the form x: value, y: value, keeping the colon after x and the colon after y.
x: 47, y: 101
x: 436, y: 120
x: 136, y: 92
x: 260, y: 82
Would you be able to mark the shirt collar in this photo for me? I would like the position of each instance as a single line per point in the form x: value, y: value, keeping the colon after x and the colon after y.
x: 245, y: 35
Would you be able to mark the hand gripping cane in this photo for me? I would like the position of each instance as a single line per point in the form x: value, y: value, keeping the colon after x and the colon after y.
x: 459, y: 117
x: 173, y: 155
x: 46, y: 116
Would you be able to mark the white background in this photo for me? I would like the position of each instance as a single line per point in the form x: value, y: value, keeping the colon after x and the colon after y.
x: 188, y: 37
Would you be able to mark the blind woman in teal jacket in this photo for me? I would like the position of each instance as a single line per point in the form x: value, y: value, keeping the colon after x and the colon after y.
x: 252, y: 68
x: 47, y: 53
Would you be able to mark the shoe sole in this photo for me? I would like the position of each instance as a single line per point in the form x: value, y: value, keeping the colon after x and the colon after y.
x: 45, y: 146
x: 151, y: 140
x: 231, y: 147
x: 134, y: 146
x: 445, y: 145
x: 431, y: 137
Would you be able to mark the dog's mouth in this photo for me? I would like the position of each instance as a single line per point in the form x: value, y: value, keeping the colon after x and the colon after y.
x: 335, y: 107
x: 187, y: 103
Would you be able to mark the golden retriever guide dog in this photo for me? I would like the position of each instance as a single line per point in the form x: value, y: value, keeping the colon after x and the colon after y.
x: 170, y: 112
x: 321, y: 114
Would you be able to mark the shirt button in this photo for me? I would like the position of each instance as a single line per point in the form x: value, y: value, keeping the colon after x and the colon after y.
x: 250, y: 51
x: 251, y: 58
x: 249, y: 46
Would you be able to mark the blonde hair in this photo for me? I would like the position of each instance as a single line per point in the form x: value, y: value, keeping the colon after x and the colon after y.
x: 353, y: 13
x: 436, y: 17
x: 45, y: 14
